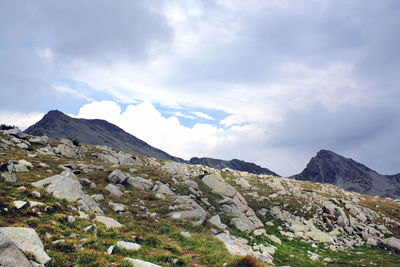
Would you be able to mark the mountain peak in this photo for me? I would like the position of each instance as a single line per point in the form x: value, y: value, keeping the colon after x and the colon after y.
x: 331, y: 168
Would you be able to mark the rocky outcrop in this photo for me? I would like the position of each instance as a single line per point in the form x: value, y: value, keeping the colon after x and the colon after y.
x: 140, y: 263
x: 27, y: 240
x: 233, y: 203
x: 67, y: 186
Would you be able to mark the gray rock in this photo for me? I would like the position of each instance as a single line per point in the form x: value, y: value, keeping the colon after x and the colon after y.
x: 19, y: 204
x: 107, y: 158
x: 15, y: 132
x: 9, y: 177
x: 218, y: 185
x: 117, y: 177
x: 164, y: 189
x: 391, y: 243
x: 128, y: 245
x: 140, y: 263
x: 114, y: 190
x: 140, y: 183
x: 216, y: 221
x: 117, y: 207
x: 11, y: 255
x: 238, y: 246
x: 38, y: 139
x: 192, y: 184
x: 108, y: 222
x: 27, y: 240
x: 67, y: 186
x: 127, y: 159
x: 98, y: 197
x: 188, y: 210
x: 36, y: 194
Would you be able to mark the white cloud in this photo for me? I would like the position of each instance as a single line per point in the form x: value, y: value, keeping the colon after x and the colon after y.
x: 203, y: 115
x: 62, y: 88
x: 19, y: 119
x: 145, y: 122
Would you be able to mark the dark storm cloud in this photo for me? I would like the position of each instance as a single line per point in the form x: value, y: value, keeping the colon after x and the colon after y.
x: 96, y: 32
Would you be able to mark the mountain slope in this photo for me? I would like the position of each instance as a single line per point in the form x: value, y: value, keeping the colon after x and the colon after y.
x: 56, y: 124
x: 331, y: 168
x: 234, y: 164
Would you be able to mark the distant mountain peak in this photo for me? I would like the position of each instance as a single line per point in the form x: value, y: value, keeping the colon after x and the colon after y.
x: 331, y: 168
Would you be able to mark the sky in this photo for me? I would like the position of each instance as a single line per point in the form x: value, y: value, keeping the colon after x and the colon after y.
x: 266, y: 81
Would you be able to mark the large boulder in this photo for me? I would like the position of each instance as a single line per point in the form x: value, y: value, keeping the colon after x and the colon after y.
x: 109, y: 222
x: 391, y: 243
x: 114, y: 190
x: 67, y: 186
x: 140, y: 183
x: 218, y: 185
x: 27, y: 240
x: 117, y: 177
x: 188, y: 210
x: 15, y: 132
x: 11, y: 255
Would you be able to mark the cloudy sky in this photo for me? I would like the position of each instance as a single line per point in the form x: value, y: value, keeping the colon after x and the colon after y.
x: 269, y: 81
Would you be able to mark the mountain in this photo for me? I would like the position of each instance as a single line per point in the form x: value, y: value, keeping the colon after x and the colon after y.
x: 330, y: 168
x: 234, y: 164
x: 56, y: 124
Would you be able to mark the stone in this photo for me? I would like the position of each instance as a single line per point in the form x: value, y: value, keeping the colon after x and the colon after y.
x: 243, y: 183
x: 23, y: 146
x: 192, y: 184
x: 67, y: 150
x: 176, y: 168
x: 274, y: 239
x: 9, y: 177
x: 160, y: 196
x: 259, y: 232
x: 38, y: 139
x: 98, y: 197
x: 128, y: 245
x: 127, y: 159
x: 238, y: 246
x: 108, y: 222
x: 70, y: 219
x: 89, y: 228
x: 140, y: 183
x: 318, y: 235
x: 164, y: 189
x: 27, y: 240
x: 19, y: 204
x: 35, y: 203
x: 391, y: 243
x: 312, y: 256
x: 25, y: 163
x: 186, y: 234
x: 218, y: 185
x: 117, y: 207
x: 15, y: 132
x: 216, y: 221
x: 110, y: 250
x: 188, y: 210
x: 114, y: 190
x: 11, y: 255
x: 67, y: 186
x: 117, y: 177
x: 140, y: 263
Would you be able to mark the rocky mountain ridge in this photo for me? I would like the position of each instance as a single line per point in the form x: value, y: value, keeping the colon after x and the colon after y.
x: 330, y: 168
x: 56, y: 124
x: 94, y: 205
x: 234, y: 164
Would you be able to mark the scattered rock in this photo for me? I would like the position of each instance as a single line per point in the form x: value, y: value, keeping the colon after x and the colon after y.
x: 186, y: 234
x: 117, y: 207
x: 128, y: 245
x: 19, y: 204
x: 114, y: 190
x: 117, y: 177
x: 188, y: 210
x: 140, y: 263
x: 108, y: 222
x: 9, y: 177
x: 391, y: 243
x: 216, y: 221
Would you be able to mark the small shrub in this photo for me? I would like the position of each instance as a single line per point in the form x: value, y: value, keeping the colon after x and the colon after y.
x: 247, y: 261
x: 6, y: 127
x: 75, y: 141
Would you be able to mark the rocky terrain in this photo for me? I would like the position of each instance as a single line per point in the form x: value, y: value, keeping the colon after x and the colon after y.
x: 331, y: 168
x: 66, y: 204
x: 234, y: 164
